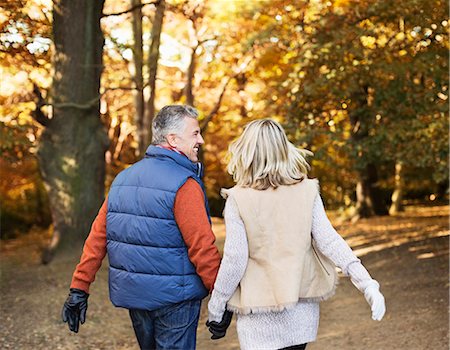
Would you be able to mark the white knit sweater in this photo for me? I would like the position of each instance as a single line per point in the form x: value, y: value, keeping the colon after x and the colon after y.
x: 292, y: 326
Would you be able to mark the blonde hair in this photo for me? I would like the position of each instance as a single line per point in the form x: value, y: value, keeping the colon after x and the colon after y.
x: 263, y: 157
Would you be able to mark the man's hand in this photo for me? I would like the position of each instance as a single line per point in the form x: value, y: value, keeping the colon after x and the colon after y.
x: 219, y: 329
x: 74, y: 309
x: 376, y: 301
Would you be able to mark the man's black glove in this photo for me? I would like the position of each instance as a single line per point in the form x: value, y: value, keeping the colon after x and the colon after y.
x: 74, y: 309
x: 219, y: 329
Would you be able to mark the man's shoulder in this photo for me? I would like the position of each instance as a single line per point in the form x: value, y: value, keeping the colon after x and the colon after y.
x: 191, y: 185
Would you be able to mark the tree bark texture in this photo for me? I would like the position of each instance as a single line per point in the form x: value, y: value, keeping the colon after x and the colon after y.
x: 188, y: 89
x: 369, y: 199
x: 73, y: 144
x: 152, y: 68
x: 138, y: 61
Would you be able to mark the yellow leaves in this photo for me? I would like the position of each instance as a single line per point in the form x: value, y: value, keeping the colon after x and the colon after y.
x: 342, y: 3
x: 24, y: 117
x: 324, y: 70
x: 366, y: 24
x: 42, y: 76
x: 368, y: 41
x: 400, y: 36
x: 288, y: 56
x: 402, y: 53
x: 18, y: 192
x: 382, y: 40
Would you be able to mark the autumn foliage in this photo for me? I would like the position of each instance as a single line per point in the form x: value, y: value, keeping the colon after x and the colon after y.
x: 363, y: 84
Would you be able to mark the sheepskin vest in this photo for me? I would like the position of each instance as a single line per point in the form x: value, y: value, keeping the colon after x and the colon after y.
x: 149, y: 266
x: 284, y: 266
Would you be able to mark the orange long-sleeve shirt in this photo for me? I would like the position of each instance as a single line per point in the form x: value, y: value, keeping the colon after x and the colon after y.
x: 192, y: 220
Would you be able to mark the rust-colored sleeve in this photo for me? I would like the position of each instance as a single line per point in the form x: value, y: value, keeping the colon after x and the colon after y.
x: 93, y: 252
x: 191, y: 217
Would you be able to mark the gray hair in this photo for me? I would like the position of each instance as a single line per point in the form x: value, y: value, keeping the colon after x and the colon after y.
x: 170, y: 119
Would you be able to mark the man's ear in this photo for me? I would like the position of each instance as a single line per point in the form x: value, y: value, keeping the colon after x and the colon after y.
x: 172, y: 140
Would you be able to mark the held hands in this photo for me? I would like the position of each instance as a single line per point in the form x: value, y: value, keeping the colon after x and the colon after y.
x: 219, y: 329
x: 74, y: 309
x: 376, y: 301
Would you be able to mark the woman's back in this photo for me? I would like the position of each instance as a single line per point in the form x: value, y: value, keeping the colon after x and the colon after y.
x: 282, y: 268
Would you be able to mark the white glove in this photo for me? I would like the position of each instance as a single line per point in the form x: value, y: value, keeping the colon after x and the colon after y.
x: 376, y: 300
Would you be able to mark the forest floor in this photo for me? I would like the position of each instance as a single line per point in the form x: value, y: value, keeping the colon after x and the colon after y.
x: 407, y: 254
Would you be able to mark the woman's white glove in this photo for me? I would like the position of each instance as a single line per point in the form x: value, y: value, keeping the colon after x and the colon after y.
x: 376, y: 300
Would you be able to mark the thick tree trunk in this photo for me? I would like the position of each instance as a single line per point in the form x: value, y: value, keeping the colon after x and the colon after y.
x: 369, y: 199
x: 152, y: 68
x: 397, y: 195
x: 73, y: 144
x: 138, y: 60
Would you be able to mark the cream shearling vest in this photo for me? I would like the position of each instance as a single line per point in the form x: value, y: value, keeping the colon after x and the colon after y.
x: 284, y: 266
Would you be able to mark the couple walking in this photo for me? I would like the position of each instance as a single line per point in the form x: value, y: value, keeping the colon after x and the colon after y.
x: 279, y: 256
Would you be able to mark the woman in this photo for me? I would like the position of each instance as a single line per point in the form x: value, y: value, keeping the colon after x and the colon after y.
x: 280, y: 248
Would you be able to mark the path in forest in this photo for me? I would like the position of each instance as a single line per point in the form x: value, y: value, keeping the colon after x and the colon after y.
x: 407, y: 254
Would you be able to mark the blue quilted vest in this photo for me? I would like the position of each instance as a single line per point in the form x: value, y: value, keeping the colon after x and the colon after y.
x: 149, y: 265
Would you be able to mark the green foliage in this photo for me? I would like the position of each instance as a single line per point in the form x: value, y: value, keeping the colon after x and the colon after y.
x: 367, y: 80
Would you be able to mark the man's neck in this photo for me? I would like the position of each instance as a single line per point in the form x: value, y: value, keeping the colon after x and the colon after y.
x: 170, y: 148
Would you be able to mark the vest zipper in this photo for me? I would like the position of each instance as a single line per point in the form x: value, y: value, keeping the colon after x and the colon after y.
x: 318, y: 258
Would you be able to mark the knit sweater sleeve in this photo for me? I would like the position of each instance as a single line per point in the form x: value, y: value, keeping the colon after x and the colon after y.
x: 192, y: 219
x: 234, y: 262
x: 94, y: 251
x: 333, y: 246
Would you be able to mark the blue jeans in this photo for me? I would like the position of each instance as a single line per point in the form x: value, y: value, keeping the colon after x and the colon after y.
x: 170, y: 327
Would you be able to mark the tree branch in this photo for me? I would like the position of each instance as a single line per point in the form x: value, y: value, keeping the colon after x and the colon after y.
x: 84, y: 106
x: 37, y: 114
x: 131, y: 9
x: 216, y: 107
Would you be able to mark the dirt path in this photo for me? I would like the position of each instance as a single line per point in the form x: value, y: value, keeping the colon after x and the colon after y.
x: 408, y: 255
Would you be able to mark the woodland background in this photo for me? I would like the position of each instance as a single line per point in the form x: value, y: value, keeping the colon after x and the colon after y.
x: 363, y: 84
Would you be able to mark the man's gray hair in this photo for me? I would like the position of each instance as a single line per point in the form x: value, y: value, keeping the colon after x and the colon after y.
x: 170, y: 120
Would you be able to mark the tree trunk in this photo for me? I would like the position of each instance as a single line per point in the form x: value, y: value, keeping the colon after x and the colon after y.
x: 397, y: 196
x: 73, y: 144
x: 369, y: 199
x: 152, y: 68
x: 138, y: 57
x: 188, y: 89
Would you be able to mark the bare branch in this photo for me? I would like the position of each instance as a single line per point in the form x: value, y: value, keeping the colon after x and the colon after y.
x: 216, y: 107
x: 125, y: 88
x: 84, y: 106
x: 131, y: 9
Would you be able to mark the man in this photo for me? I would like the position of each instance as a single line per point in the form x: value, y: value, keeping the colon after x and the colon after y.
x: 155, y: 227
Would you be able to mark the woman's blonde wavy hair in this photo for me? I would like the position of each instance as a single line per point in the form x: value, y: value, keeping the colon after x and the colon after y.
x: 263, y: 157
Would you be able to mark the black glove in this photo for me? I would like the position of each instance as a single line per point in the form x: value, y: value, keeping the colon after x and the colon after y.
x: 219, y: 329
x: 74, y: 309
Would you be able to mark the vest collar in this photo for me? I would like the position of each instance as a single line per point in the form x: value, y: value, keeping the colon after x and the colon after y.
x: 155, y: 151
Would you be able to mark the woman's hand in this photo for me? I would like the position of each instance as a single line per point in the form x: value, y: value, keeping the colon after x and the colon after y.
x: 376, y: 300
